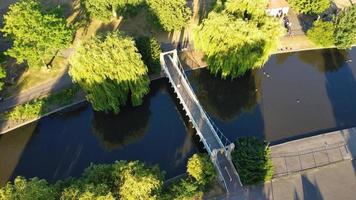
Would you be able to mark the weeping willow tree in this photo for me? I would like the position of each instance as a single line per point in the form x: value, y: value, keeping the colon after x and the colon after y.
x: 109, y: 69
x: 238, y: 37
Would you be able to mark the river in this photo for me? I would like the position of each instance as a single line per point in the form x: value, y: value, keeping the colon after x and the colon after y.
x: 294, y: 95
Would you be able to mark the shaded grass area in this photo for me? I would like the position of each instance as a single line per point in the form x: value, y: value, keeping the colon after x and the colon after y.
x: 38, y: 107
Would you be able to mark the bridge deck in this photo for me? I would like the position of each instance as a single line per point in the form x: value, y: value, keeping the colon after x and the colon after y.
x: 203, y: 126
x: 197, y: 116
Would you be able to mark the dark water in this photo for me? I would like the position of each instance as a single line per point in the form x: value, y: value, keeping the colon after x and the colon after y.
x: 292, y: 96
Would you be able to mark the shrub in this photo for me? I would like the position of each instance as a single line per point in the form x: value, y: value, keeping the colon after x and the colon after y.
x: 169, y: 14
x: 322, y: 33
x: 2, y: 77
x: 183, y: 189
x: 345, y: 28
x: 150, y: 50
x: 252, y: 160
x: 201, y: 169
x: 309, y: 6
x: 28, y: 189
x: 38, y: 107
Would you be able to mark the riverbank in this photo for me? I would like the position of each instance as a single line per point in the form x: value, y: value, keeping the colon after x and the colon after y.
x: 325, y: 156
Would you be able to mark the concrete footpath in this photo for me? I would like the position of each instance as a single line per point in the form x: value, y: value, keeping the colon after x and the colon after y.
x: 313, y: 168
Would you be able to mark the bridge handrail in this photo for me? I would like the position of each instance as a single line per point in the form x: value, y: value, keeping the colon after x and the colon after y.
x: 209, y: 149
x: 215, y: 128
x: 182, y: 73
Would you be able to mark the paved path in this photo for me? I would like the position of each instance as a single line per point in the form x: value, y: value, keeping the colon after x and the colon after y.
x: 36, y: 92
x: 332, y: 182
x: 313, y: 152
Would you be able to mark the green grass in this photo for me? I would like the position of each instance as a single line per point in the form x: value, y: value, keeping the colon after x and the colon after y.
x: 38, y: 107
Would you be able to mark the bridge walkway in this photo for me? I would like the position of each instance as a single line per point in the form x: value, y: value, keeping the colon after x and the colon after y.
x: 218, y: 151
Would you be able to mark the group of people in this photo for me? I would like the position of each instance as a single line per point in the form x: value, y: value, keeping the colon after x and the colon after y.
x: 287, y: 24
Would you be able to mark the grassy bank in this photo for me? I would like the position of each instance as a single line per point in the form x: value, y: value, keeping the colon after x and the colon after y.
x: 38, y: 107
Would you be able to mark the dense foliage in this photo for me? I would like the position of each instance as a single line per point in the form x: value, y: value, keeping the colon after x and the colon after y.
x: 28, y: 189
x: 107, y: 9
x: 232, y: 50
x: 2, y: 77
x: 309, y: 6
x: 169, y: 14
x: 345, y: 28
x: 183, y: 189
x: 37, y: 36
x: 322, y: 33
x: 38, y: 107
x: 109, y: 69
x: 150, y: 50
x: 252, y: 160
x: 201, y: 168
x: 121, y: 180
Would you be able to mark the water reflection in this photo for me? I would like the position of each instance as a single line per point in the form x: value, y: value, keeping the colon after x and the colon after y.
x: 116, y: 131
x: 326, y: 60
x: 226, y: 99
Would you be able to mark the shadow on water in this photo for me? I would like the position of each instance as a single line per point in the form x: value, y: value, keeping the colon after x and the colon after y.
x: 225, y: 99
x: 327, y: 60
x: 341, y: 90
x: 232, y: 104
x: 118, y: 130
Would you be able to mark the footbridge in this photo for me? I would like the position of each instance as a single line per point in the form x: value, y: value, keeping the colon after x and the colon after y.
x: 216, y: 144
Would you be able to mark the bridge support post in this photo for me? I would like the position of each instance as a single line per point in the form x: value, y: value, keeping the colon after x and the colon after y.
x: 228, y: 150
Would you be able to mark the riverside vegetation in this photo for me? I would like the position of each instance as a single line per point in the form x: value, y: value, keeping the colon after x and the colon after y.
x: 121, y: 180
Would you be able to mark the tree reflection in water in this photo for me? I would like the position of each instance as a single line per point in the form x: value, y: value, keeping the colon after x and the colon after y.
x: 226, y: 99
x: 130, y: 125
x: 326, y: 60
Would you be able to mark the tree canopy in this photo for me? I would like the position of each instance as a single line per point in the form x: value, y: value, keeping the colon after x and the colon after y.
x: 36, y: 35
x: 28, y: 189
x: 345, y: 28
x: 309, y: 6
x: 232, y: 50
x: 109, y: 69
x: 107, y: 9
x: 201, y: 169
x: 169, y: 14
x: 322, y: 33
x: 252, y: 160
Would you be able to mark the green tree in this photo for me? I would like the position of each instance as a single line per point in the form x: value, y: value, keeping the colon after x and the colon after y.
x: 37, y: 36
x: 105, y: 10
x: 27, y: 190
x: 201, y: 169
x: 232, y: 50
x: 345, y: 28
x: 169, y: 14
x: 309, y: 6
x: 252, y: 160
x: 82, y: 189
x: 322, y: 33
x: 150, y: 50
x: 183, y: 189
x: 2, y: 77
x: 108, y: 68
x: 139, y: 182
